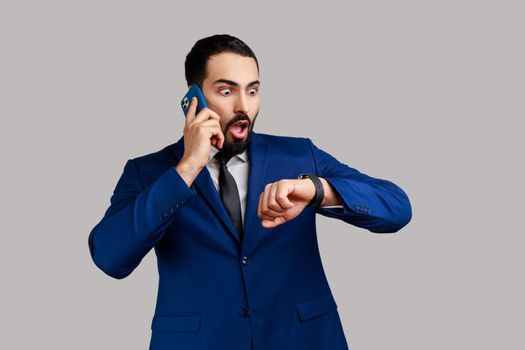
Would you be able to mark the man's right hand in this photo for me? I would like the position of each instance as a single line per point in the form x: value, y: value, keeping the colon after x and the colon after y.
x: 200, y: 132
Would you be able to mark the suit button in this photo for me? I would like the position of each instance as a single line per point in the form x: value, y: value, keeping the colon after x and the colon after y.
x: 245, y: 260
x: 245, y: 313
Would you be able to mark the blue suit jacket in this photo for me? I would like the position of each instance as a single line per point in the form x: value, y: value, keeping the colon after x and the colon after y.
x: 214, y: 292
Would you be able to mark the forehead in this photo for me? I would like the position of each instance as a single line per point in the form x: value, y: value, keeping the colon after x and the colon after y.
x: 231, y: 66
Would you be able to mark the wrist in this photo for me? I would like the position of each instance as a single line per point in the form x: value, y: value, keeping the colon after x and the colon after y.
x: 188, y: 171
x: 331, y: 197
x: 189, y: 165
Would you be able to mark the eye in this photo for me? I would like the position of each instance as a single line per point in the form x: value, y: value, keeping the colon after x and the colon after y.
x: 253, y: 91
x: 227, y: 91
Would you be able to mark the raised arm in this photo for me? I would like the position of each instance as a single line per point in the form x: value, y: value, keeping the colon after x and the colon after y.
x: 375, y: 204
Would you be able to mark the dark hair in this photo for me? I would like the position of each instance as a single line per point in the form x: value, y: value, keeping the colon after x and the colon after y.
x: 203, y: 49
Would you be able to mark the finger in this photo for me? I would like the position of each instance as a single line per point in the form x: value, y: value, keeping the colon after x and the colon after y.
x: 264, y: 207
x: 217, y: 133
x: 204, y: 129
x: 210, y: 127
x: 214, y: 134
x: 190, y: 115
x: 214, y: 140
x: 206, y: 114
x: 218, y: 136
x: 268, y: 223
x: 281, y: 196
x: 209, y: 123
x: 273, y: 223
x: 273, y: 204
x: 259, y: 209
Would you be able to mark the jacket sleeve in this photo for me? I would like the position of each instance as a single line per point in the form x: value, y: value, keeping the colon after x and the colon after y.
x: 136, y: 219
x: 374, y: 204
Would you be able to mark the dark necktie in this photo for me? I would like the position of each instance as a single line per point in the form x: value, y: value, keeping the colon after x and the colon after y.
x: 229, y: 193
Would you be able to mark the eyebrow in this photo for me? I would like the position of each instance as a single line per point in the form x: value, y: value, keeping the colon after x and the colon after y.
x: 230, y: 82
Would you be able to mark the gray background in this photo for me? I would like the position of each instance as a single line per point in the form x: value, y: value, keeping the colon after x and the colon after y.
x: 426, y: 94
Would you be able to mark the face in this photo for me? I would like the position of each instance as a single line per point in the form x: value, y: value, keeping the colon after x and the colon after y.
x: 231, y: 89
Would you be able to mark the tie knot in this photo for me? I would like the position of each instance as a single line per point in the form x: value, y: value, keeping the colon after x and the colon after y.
x: 222, y: 157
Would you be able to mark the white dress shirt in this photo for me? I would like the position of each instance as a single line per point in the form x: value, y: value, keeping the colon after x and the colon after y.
x: 238, y: 167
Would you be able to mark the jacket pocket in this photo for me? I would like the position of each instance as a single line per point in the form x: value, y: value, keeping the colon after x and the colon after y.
x: 316, y: 307
x: 187, y: 322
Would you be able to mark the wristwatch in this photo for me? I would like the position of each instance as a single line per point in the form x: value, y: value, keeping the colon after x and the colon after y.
x: 319, y: 191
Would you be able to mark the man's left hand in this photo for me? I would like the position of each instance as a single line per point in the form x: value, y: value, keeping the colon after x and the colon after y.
x: 283, y: 200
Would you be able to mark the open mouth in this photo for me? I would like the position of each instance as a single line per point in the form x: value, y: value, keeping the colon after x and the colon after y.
x: 239, y: 129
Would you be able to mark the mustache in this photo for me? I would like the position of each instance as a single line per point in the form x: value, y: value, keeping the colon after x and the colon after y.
x: 237, y: 118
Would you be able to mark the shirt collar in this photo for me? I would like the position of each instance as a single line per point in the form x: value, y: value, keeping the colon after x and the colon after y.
x: 214, y: 150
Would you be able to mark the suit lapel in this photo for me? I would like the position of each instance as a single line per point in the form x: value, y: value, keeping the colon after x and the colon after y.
x: 204, y: 185
x: 257, y: 161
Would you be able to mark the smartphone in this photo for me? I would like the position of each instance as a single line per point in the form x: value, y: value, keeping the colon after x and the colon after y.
x: 196, y: 91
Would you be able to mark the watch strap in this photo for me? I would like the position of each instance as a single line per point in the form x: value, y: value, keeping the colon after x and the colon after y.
x: 319, y: 191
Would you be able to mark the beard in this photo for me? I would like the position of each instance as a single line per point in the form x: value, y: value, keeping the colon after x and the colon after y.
x: 234, y: 146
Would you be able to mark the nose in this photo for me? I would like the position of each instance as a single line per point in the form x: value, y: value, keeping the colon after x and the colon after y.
x: 241, y: 105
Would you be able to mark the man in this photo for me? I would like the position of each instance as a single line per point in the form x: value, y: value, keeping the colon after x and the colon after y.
x: 231, y: 222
